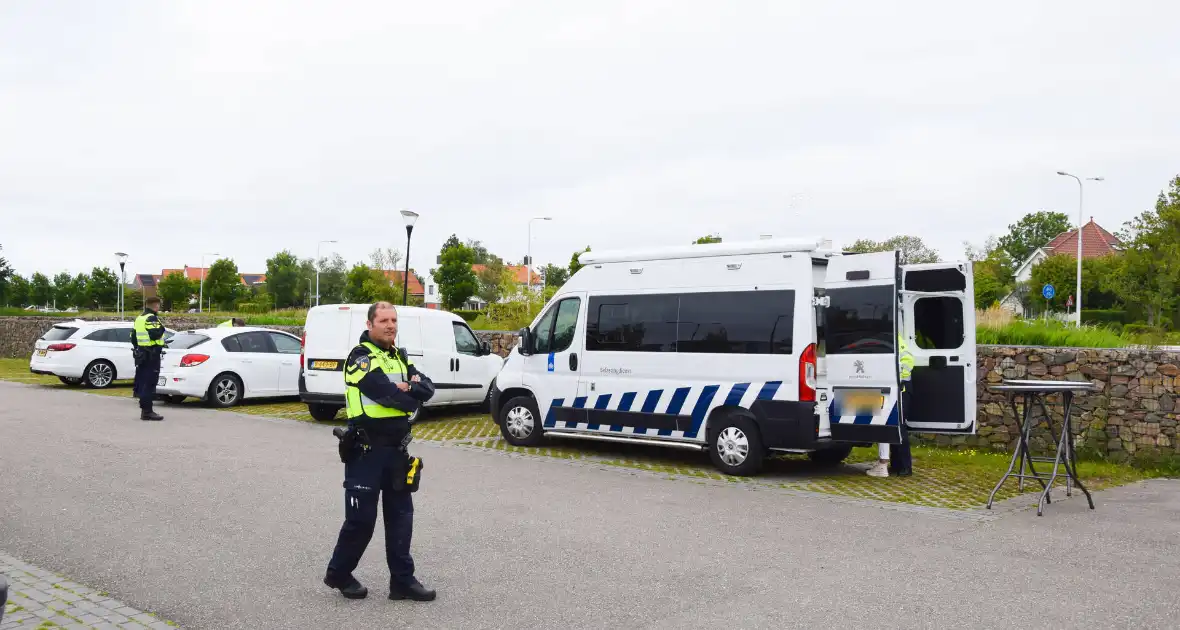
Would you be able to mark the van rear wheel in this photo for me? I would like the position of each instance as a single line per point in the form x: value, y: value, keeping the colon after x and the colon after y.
x: 735, y: 446
x: 520, y: 422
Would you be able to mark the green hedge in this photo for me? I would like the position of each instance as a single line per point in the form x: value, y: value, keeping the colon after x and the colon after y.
x: 1106, y: 316
x: 468, y: 316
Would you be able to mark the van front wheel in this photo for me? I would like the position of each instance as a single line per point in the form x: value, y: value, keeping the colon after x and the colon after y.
x: 520, y: 422
x: 736, y: 446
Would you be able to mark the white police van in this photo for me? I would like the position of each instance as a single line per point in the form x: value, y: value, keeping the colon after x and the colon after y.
x: 744, y: 348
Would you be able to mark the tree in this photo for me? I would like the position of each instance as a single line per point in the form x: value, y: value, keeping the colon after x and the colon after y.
x: 333, y: 273
x: 355, y: 290
x: 574, y: 264
x: 175, y: 291
x: 40, y: 290
x: 80, y: 289
x: 1147, y: 272
x: 102, y: 291
x: 282, y: 278
x: 1034, y: 230
x: 704, y: 240
x: 6, y: 275
x: 993, y: 271
x: 491, y: 278
x: 481, y: 253
x: 132, y: 300
x: 554, y: 276
x: 913, y: 250
x: 223, y: 284
x: 17, y: 291
x: 387, y: 259
x: 455, y: 278
x: 63, y: 290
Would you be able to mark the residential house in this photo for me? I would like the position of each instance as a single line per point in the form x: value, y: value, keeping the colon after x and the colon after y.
x: 146, y: 284
x: 520, y: 274
x: 1096, y: 243
x: 397, y: 279
x: 196, y: 273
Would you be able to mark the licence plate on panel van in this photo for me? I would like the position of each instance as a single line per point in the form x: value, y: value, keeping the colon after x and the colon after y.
x: 324, y: 365
x: 859, y: 402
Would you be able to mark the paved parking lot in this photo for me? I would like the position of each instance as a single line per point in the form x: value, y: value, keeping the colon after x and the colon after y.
x: 225, y: 520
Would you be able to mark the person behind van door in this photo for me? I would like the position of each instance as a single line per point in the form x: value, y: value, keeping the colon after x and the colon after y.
x: 898, y: 454
x: 147, y: 343
x: 382, y: 391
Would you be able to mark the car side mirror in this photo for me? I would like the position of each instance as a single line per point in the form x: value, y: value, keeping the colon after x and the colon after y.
x: 485, y: 348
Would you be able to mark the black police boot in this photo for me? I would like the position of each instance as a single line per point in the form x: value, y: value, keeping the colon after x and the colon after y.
x: 414, y: 591
x: 349, y: 587
x: 149, y: 415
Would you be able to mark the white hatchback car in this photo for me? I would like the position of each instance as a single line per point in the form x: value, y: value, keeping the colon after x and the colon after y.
x: 224, y: 366
x: 95, y: 354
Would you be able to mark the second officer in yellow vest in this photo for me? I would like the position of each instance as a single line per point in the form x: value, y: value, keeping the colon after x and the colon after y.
x: 147, y: 346
x: 382, y: 390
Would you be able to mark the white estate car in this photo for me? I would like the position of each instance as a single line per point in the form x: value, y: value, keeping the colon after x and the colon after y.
x: 79, y: 352
x: 223, y: 366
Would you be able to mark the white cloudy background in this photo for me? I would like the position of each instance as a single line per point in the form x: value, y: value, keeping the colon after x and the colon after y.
x: 176, y: 128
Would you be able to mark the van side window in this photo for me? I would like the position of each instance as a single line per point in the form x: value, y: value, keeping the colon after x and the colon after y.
x: 859, y: 320
x: 544, y: 331
x: 632, y: 323
x: 567, y: 322
x: 736, y: 322
x: 465, y: 341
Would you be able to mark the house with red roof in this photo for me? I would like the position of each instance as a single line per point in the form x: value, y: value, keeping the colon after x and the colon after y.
x: 397, y: 279
x: 1096, y: 243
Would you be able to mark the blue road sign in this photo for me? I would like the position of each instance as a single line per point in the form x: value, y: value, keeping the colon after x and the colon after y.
x: 1048, y: 292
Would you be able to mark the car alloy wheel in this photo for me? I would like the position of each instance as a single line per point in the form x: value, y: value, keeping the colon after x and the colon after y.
x: 100, y: 374
x: 226, y: 391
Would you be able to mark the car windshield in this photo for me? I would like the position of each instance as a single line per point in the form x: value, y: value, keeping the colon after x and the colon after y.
x: 59, y: 333
x: 185, y: 340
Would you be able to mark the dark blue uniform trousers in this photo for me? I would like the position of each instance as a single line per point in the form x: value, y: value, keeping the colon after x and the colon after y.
x: 147, y: 376
x: 379, y: 470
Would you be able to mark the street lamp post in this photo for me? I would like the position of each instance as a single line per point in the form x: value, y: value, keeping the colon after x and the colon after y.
x: 530, y: 250
x: 201, y: 295
x: 409, y: 217
x: 122, y: 283
x: 317, y: 270
x: 1078, y: 293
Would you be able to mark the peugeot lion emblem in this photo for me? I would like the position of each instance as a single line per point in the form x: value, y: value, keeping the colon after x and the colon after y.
x: 860, y: 367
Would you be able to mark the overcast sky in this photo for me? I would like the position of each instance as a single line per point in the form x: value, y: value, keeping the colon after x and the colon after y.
x: 177, y: 128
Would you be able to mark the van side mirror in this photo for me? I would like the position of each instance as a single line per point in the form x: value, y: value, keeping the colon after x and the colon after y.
x: 526, y: 341
x: 485, y: 348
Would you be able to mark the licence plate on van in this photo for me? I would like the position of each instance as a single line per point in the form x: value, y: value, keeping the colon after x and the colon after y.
x: 859, y: 402
x: 325, y: 365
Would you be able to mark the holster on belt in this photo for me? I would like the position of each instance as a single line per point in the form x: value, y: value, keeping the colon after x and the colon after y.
x: 348, y: 442
x: 413, y: 473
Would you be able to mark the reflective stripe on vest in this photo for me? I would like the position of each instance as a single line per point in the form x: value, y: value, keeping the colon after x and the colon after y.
x: 905, y: 357
x: 142, y: 338
x: 357, y: 405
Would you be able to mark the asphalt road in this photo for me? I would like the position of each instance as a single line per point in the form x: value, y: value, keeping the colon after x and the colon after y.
x: 220, y: 520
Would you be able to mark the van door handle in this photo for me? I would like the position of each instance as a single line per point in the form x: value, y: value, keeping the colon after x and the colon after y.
x: 573, y: 361
x: 456, y: 365
x: 451, y: 365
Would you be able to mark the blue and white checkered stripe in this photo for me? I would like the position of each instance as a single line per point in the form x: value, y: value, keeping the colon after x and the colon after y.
x: 697, y: 401
x: 887, y: 419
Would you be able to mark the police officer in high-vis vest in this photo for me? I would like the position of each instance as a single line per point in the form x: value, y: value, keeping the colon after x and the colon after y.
x: 382, y: 390
x: 895, y: 459
x: 147, y: 342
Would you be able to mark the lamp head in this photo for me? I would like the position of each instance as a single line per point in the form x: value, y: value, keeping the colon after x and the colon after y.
x: 409, y: 216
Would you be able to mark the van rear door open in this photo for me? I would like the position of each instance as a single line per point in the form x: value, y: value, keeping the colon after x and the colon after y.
x: 860, y: 338
x: 939, y: 324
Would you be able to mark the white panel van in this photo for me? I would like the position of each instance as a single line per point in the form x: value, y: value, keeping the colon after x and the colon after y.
x: 439, y: 343
x: 742, y: 349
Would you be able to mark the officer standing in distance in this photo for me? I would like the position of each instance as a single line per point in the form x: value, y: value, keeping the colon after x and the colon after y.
x: 147, y: 342
x: 382, y: 391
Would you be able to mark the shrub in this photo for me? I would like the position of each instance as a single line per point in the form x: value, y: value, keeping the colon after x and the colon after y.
x: 468, y: 316
x: 1053, y: 334
x: 1105, y: 316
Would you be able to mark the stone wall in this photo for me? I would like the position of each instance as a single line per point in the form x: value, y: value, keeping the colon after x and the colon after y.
x: 1133, y: 409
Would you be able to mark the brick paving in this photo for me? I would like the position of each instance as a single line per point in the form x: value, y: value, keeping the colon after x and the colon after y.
x: 41, y: 599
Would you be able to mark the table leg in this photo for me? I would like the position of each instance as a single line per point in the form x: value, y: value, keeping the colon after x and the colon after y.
x: 1071, y: 465
x: 1016, y: 453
